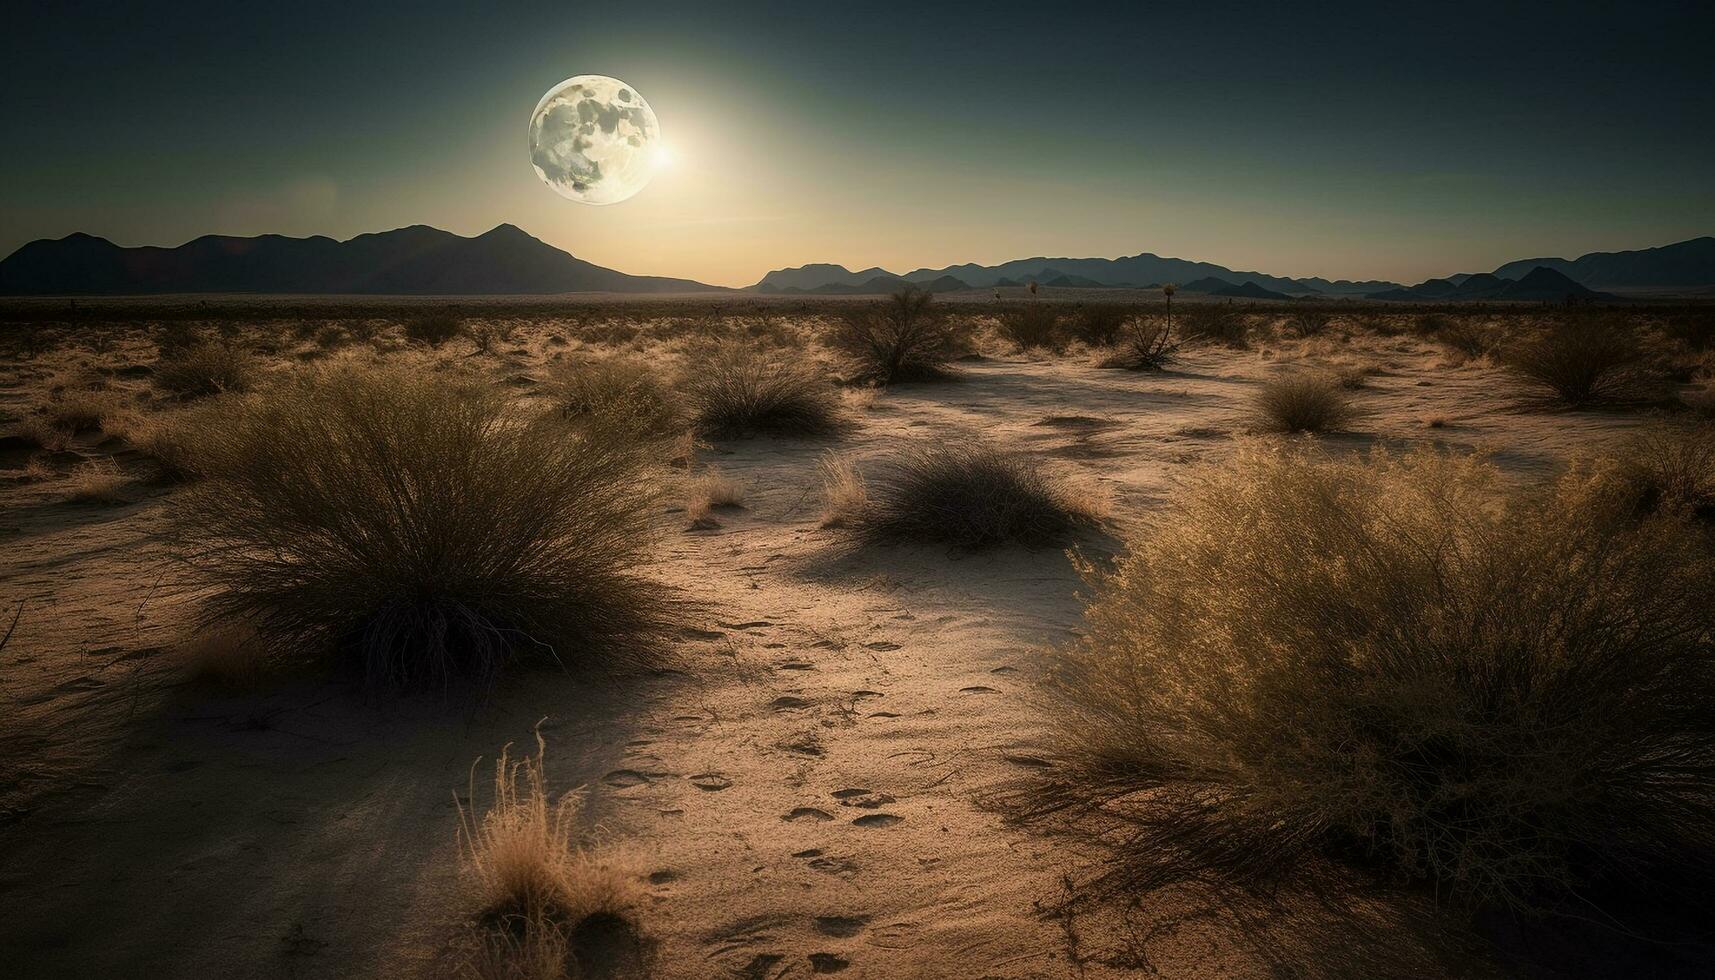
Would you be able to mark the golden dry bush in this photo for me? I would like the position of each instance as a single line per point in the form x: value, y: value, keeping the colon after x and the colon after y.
x: 534, y: 885
x: 1403, y: 661
x: 1578, y: 361
x: 204, y: 369
x: 622, y: 391
x: 419, y: 529
x: 968, y: 492
x: 903, y: 338
x: 1304, y: 401
x: 736, y: 390
x: 97, y: 481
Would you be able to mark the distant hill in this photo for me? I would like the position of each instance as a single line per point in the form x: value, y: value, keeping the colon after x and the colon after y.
x: 1687, y: 263
x: 876, y: 285
x: 417, y: 260
x: 808, y: 278
x: 1537, y: 285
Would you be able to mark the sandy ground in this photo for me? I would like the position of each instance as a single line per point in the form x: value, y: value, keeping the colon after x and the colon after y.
x: 809, y: 791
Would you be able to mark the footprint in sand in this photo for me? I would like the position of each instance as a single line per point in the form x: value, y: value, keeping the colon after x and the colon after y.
x: 795, y: 665
x: 883, y: 714
x: 881, y: 645
x: 625, y: 777
x: 711, y: 782
x: 663, y: 877
x: 976, y: 689
x: 877, y: 820
x: 827, y: 963
x: 863, y: 799
x: 751, y: 625
x: 804, y: 813
x: 840, y: 926
x: 1028, y: 761
x: 788, y: 703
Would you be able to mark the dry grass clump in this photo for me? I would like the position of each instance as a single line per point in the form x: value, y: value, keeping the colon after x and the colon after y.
x: 1304, y: 401
x: 1467, y: 335
x: 1035, y: 326
x: 620, y: 391
x: 81, y: 410
x: 418, y: 529
x: 710, y: 492
x: 536, y: 889
x: 967, y: 492
x: 97, y: 481
x: 1099, y: 324
x: 737, y: 391
x: 171, y: 441
x: 1148, y: 346
x: 903, y: 338
x: 489, y: 334
x: 205, y: 369
x: 1580, y: 361
x: 1212, y: 323
x: 433, y: 329
x: 1671, y: 468
x: 1310, y: 323
x: 1506, y: 695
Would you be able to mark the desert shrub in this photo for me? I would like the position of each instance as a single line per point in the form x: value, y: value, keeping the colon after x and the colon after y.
x: 1309, y: 323
x: 97, y: 481
x: 488, y: 333
x: 433, y: 329
x: 1507, y: 694
x: 1035, y: 326
x: 82, y: 410
x: 205, y: 369
x: 967, y: 492
x: 1467, y: 335
x: 171, y: 440
x: 417, y: 529
x: 1213, y: 323
x: 1149, y: 345
x: 618, y: 391
x: 710, y: 492
x: 737, y: 391
x: 331, y: 336
x: 533, y: 883
x: 1579, y: 361
x: 1099, y: 324
x: 1671, y: 467
x: 1304, y: 401
x: 177, y: 336
x: 901, y: 339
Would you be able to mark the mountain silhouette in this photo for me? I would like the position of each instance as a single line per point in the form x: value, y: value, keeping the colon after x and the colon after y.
x: 417, y: 260
x: 1539, y: 284
x: 1687, y: 263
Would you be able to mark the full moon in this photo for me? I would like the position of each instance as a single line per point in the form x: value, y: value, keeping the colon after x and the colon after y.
x: 594, y: 140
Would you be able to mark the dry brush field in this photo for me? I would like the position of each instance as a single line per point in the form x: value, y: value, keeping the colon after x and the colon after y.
x: 908, y: 637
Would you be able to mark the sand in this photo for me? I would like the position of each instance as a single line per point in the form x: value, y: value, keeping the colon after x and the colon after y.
x: 809, y: 788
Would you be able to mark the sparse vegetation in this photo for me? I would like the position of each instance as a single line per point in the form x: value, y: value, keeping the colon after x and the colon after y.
x: 418, y: 529
x: 1213, y: 323
x: 1304, y: 401
x: 82, y: 410
x: 1149, y: 346
x: 487, y: 334
x: 902, y: 339
x: 1671, y: 468
x: 968, y: 492
x: 622, y: 392
x: 1578, y: 360
x: 1306, y: 658
x: 737, y: 391
x: 1310, y: 323
x: 433, y: 329
x: 534, y: 884
x: 1099, y: 324
x: 205, y: 369
x: 97, y: 481
x: 1034, y: 326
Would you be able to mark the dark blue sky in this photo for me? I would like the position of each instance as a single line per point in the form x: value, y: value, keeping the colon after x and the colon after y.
x: 1360, y: 140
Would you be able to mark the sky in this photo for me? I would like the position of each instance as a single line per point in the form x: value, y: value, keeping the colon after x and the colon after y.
x: 1347, y: 141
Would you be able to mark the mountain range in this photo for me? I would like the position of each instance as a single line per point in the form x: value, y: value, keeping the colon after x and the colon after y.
x: 417, y: 260
x: 1687, y: 266
x: 505, y: 260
